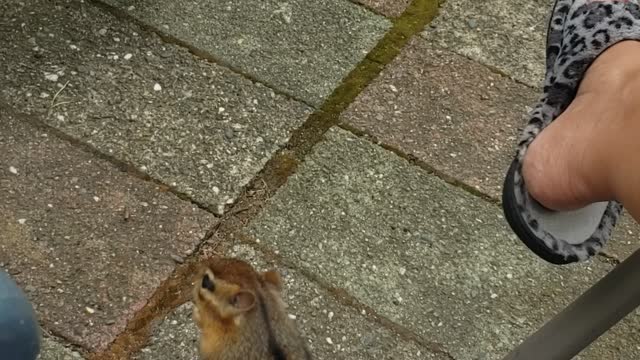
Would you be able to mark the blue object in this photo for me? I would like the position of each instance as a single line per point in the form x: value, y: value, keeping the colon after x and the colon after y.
x: 19, y: 329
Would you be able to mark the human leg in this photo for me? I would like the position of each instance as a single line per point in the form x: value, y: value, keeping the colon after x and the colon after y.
x: 19, y: 330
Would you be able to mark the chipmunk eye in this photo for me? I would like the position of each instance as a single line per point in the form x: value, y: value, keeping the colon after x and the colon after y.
x: 208, y: 284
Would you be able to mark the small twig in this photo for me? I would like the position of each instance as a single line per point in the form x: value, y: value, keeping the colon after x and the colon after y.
x: 53, y: 101
x: 60, y: 103
x: 237, y: 211
x: 611, y: 257
x: 58, y: 92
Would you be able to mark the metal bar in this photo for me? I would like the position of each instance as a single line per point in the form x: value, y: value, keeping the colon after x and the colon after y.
x: 597, y: 310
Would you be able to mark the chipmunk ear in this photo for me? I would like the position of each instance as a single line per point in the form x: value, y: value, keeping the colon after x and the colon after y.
x: 273, y: 278
x: 243, y: 300
x: 207, y: 282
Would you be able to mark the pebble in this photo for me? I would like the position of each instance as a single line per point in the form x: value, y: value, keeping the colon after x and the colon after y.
x: 157, y: 87
x: 102, y: 31
x: 13, y: 170
x: 177, y: 258
x: 367, y: 340
x: 329, y: 341
x: 89, y: 310
x: 51, y: 77
x: 30, y: 288
x: 472, y: 23
x: 128, y: 56
x: 22, y: 221
x: 228, y: 133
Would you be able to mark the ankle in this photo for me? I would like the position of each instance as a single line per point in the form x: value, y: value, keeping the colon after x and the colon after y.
x: 613, y: 69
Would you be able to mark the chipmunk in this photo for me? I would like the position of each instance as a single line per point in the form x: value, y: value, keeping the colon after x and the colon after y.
x: 241, y: 315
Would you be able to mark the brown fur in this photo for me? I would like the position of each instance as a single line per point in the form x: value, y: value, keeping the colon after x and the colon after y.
x: 232, y: 320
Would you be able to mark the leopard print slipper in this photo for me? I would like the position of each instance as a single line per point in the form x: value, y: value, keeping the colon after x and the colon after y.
x: 579, y: 31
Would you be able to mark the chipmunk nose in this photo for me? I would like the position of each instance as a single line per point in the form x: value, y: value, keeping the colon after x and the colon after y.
x: 208, y: 284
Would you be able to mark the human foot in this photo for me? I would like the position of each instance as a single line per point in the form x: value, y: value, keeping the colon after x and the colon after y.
x: 571, y: 163
x: 578, y: 156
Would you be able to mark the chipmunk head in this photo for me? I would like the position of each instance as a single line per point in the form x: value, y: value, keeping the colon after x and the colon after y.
x: 227, y: 289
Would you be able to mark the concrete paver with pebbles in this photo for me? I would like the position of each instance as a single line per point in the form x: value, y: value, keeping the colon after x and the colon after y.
x: 450, y: 112
x: 333, y: 330
x: 52, y: 349
x: 88, y: 243
x: 425, y: 254
x: 195, y: 126
x: 458, y: 117
x: 301, y: 47
x: 506, y: 34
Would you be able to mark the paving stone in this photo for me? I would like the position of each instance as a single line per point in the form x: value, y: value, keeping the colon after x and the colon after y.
x: 302, y: 47
x: 457, y: 116
x: 193, y: 125
x: 319, y: 317
x: 88, y: 243
x: 421, y: 252
x: 505, y: 34
x: 393, y: 8
x: 53, y: 349
x: 174, y: 337
x: 448, y: 111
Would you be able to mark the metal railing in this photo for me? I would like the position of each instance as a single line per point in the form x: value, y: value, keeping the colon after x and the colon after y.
x: 601, y: 307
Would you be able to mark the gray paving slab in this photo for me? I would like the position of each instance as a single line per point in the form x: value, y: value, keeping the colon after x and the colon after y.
x: 88, y: 243
x: 174, y: 337
x: 457, y: 116
x: 392, y: 8
x: 430, y: 256
x: 301, y: 47
x: 506, y: 34
x: 333, y: 330
x: 450, y: 112
x: 53, y: 349
x: 195, y: 126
